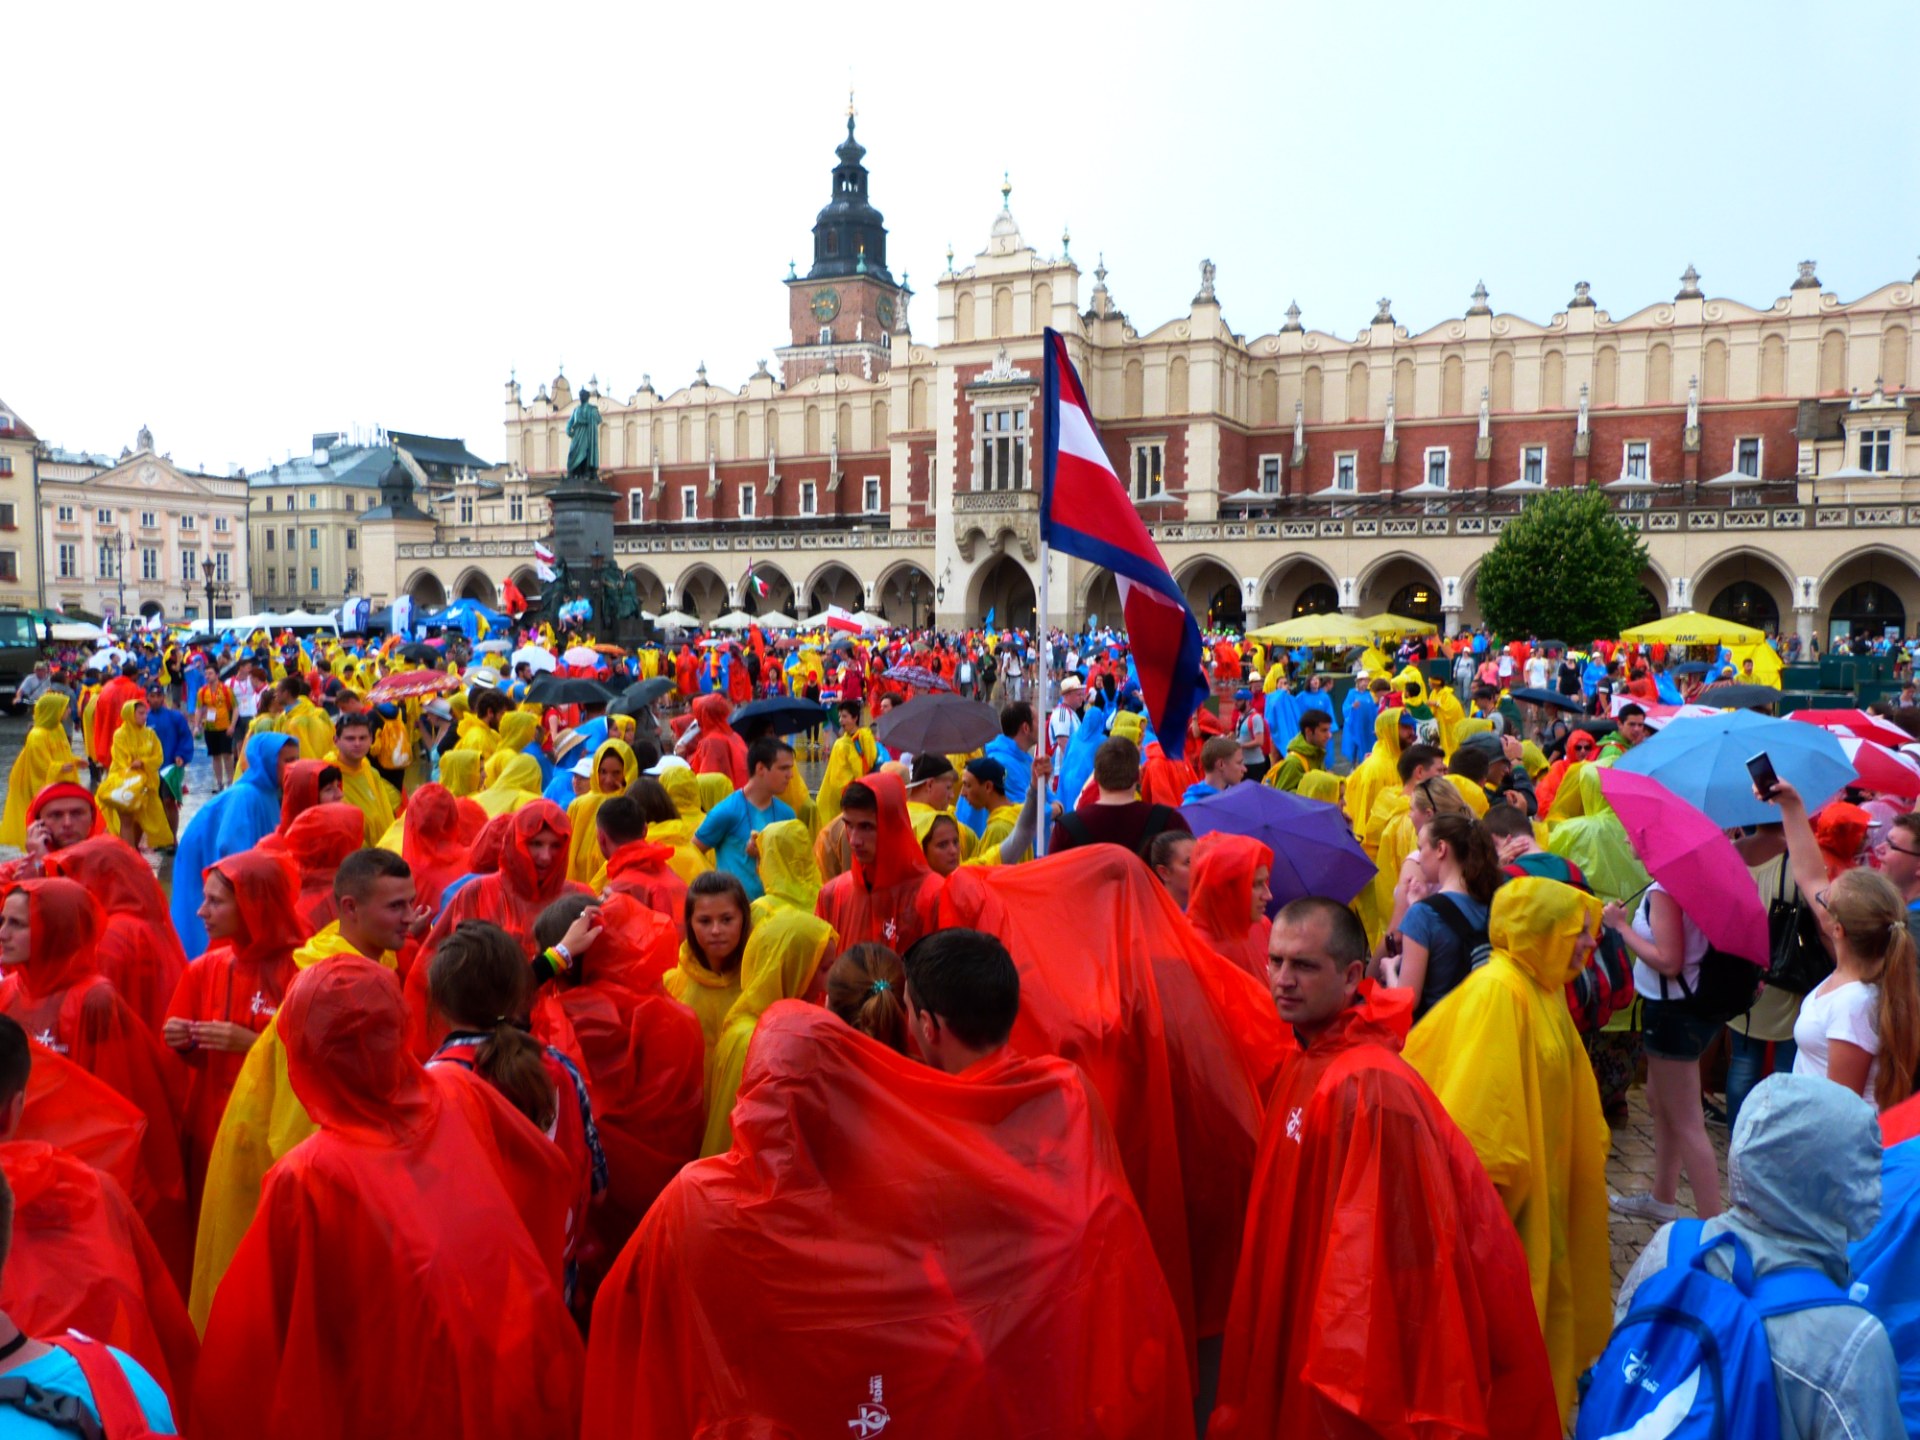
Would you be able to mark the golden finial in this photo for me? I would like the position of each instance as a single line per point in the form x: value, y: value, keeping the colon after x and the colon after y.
x: 1006, y: 189
x: 850, y: 110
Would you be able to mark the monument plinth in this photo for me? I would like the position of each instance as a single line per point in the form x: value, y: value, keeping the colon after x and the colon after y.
x: 583, y: 507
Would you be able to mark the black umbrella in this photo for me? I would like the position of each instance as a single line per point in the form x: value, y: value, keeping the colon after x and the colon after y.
x: 1739, y: 697
x: 1692, y: 667
x: 1596, y: 726
x: 637, y: 699
x: 568, y: 690
x: 422, y: 654
x: 780, y: 715
x: 938, y: 725
x: 1547, y: 697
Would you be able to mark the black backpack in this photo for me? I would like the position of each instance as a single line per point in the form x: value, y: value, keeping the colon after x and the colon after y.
x: 1726, y: 987
x: 1798, y: 958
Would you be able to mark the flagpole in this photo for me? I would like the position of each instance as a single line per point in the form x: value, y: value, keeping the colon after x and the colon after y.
x: 1043, y: 727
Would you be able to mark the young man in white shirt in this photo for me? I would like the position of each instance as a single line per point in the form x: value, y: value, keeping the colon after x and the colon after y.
x: 1065, y: 719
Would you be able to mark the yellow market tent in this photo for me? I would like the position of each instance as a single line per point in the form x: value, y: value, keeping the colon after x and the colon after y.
x: 1397, y: 627
x: 1315, y: 630
x: 1693, y: 628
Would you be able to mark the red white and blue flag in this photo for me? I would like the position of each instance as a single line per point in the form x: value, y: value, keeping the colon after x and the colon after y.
x: 1085, y: 512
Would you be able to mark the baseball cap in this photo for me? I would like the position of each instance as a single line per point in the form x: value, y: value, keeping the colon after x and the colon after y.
x: 666, y: 763
x: 438, y: 709
x: 584, y: 769
x: 930, y: 767
x: 985, y: 767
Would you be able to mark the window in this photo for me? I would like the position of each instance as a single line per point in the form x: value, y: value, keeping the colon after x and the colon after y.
x: 1270, y: 475
x: 187, y: 522
x: 353, y: 539
x: 8, y: 516
x: 9, y: 565
x: 1149, y: 469
x: 220, y: 525
x: 1643, y: 500
x: 189, y: 566
x: 466, y: 509
x: 64, y: 514
x: 103, y: 517
x: 746, y: 502
x: 809, y: 498
x: 1346, y: 471
x: 313, y: 501
x: 1746, y: 456
x: 636, y: 506
x: 103, y: 557
x: 289, y: 506
x: 689, y: 502
x: 69, y: 562
x: 6, y: 465
x: 149, y: 563
x: 870, y: 495
x: 222, y: 567
x: 351, y: 501
x: 1533, y: 464
x: 313, y: 577
x: 1003, y: 450
x: 313, y: 539
x: 826, y: 334
x: 1438, y: 458
x: 1876, y: 451
x: 516, y: 507
x: 273, y: 579
x: 1635, y: 466
x: 149, y: 520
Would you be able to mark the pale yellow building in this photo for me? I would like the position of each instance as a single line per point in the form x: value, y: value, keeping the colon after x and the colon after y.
x: 19, y: 516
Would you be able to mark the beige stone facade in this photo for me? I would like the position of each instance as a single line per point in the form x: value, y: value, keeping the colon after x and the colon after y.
x: 19, y: 514
x: 134, y: 536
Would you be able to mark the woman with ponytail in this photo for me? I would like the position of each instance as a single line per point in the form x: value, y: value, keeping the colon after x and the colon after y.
x: 864, y: 988
x: 481, y: 990
x: 1443, y: 901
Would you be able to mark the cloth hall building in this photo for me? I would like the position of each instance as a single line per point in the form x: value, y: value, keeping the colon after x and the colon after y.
x: 1763, y: 450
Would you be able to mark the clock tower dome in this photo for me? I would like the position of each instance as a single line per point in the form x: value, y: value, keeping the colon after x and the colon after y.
x: 847, y: 308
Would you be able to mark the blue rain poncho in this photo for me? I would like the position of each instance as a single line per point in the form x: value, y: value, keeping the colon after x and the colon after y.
x: 236, y: 819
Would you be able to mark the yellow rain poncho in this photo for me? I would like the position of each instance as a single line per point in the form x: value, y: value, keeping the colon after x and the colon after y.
x: 308, y: 724
x: 1447, y: 712
x: 1502, y: 1054
x: 921, y: 817
x: 1594, y: 839
x: 46, y: 758
x: 263, y: 1121
x: 364, y: 788
x: 709, y: 994
x: 475, y: 734
x: 460, y: 771
x: 1000, y: 826
x: 789, y: 874
x: 584, y: 859
x: 781, y: 960
x: 683, y: 788
x: 1374, y: 662
x: 516, y: 787
x: 519, y: 732
x: 135, y: 772
x: 1321, y: 785
x: 90, y: 698
x: 714, y: 787
x: 853, y: 757
x: 1379, y: 771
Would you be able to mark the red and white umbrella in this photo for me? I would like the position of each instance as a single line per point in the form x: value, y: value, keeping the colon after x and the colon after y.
x: 1857, y: 723
x: 1883, y: 771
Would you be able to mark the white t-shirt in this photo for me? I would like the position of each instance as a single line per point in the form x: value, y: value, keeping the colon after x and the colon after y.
x: 1537, y: 672
x: 246, y: 699
x: 1837, y: 1009
x: 1646, y: 979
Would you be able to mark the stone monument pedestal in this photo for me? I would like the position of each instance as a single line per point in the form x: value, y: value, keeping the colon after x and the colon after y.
x: 582, y: 522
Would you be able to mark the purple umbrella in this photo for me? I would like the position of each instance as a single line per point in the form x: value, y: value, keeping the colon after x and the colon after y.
x: 1314, y: 853
x: 918, y: 676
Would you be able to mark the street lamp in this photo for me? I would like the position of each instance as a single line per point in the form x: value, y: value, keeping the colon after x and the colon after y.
x: 214, y: 589
x: 119, y: 542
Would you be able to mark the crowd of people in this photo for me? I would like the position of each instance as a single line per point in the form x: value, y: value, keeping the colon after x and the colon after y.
x: 505, y: 1067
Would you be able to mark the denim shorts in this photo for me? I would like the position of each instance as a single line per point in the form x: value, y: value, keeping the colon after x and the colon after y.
x: 1671, y: 1031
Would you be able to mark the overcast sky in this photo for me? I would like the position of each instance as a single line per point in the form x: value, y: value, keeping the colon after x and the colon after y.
x: 242, y: 224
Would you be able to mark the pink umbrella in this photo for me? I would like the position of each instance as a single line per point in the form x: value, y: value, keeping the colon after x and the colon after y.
x: 1881, y: 770
x: 1693, y: 860
x: 1857, y: 723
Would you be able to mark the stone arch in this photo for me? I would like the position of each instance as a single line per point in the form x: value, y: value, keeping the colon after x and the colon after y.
x: 701, y: 592
x: 475, y: 584
x: 1873, y: 588
x: 1743, y: 584
x: 904, y: 593
x: 425, y: 590
x: 963, y: 315
x: 1003, y: 586
x: 1833, y: 362
x: 1385, y: 577
x: 152, y: 609
x: 1357, y: 390
x: 527, y: 580
x: 1404, y: 391
x: 779, y: 594
x: 1042, y: 305
x: 833, y: 583
x: 1099, y: 598
x: 1297, y: 585
x: 882, y: 422
x: 1213, y: 592
x: 649, y: 587
x: 1177, y: 401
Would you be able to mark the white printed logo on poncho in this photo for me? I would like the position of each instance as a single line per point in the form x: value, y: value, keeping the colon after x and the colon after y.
x: 872, y: 1417
x: 1294, y: 1124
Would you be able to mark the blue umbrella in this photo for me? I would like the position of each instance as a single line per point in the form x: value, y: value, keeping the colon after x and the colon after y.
x: 1314, y: 853
x: 1703, y: 760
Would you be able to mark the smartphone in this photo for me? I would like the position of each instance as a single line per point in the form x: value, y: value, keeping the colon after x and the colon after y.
x: 1765, y: 782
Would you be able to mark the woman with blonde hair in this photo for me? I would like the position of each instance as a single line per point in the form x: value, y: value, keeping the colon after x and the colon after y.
x: 866, y: 988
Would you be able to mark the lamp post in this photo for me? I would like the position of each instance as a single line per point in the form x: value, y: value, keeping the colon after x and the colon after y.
x: 119, y: 541
x: 215, y: 590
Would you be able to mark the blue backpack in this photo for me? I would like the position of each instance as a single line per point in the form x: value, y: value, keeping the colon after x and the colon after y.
x: 1691, y: 1360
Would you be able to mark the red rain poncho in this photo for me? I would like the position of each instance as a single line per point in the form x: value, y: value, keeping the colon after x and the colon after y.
x: 317, y: 841
x: 82, y: 1260
x: 393, y: 1282
x: 644, y: 871
x: 20, y: 868
x: 514, y: 894
x: 242, y: 981
x: 643, y: 1056
x: 1580, y: 746
x: 139, y: 951
x: 1179, y: 1043
x: 719, y: 750
x: 440, y: 831
x: 957, y: 1253
x: 892, y: 901
x: 1382, y: 1290
x: 299, y: 789
x: 1221, y: 899
x: 107, y: 715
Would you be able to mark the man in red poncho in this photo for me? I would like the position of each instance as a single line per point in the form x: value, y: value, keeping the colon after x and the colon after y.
x: 401, y: 1274
x: 636, y: 866
x: 1382, y: 1290
x: 889, y: 893
x: 438, y: 835
x: 81, y: 1258
x: 718, y: 749
x: 316, y: 842
x: 60, y: 815
x: 955, y: 1252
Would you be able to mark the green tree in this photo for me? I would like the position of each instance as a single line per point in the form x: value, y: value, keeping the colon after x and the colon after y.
x: 1564, y: 568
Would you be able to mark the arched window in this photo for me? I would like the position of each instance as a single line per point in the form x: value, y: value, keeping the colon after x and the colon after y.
x: 917, y: 405
x: 882, y: 426
x: 1357, y: 391
x: 1773, y: 366
x: 1267, y: 411
x: 1310, y: 396
x: 1453, y: 385
x: 1135, y: 390
x: 963, y: 315
x: 1403, y: 383
x: 1606, y: 376
x: 1833, y: 362
x: 1003, y: 310
x: 1553, y: 380
x: 1659, y: 373
x: 1042, y: 305
x: 1893, y: 358
x: 1177, y: 385
x: 1713, y: 384
x: 1502, y: 386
